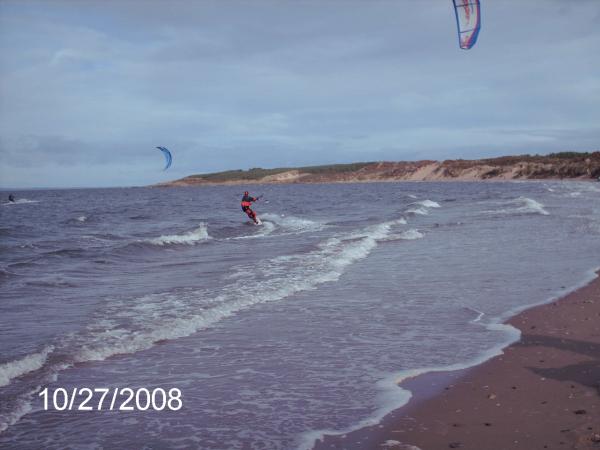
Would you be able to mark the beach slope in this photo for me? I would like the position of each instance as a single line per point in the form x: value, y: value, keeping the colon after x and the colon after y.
x: 543, y: 392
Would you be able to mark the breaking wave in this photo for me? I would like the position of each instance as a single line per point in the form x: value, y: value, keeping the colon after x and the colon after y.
x: 528, y: 205
x: 427, y: 204
x: 292, y: 223
x: 283, y: 225
x: 417, y: 211
x: 421, y: 208
x: 131, y: 325
x: 521, y: 205
x: 21, y: 201
x: 265, y: 229
x: 408, y: 235
x: 19, y: 367
x: 200, y: 234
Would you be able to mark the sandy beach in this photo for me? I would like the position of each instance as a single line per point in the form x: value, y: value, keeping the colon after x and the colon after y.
x: 543, y: 392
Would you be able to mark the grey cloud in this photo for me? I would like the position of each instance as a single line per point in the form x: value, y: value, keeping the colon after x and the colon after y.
x: 231, y: 84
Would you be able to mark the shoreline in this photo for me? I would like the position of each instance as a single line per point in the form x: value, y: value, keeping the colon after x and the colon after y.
x: 541, y: 391
x: 441, y: 180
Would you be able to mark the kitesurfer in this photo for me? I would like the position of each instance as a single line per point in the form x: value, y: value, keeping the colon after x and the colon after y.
x: 246, y: 203
x: 11, y: 198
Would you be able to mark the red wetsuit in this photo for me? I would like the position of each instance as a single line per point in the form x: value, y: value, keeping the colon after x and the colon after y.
x: 246, y: 203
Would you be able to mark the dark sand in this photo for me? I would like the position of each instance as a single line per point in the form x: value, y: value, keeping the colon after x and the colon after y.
x: 542, y: 393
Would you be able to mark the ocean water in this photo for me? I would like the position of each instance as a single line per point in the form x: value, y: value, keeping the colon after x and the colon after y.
x: 274, y: 334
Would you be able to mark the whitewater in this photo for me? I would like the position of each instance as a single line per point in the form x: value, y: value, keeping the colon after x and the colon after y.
x: 275, y: 334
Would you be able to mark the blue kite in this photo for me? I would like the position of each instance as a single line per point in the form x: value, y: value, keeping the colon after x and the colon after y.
x: 168, y: 156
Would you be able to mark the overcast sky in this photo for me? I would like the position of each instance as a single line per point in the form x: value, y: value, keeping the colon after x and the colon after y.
x: 88, y: 89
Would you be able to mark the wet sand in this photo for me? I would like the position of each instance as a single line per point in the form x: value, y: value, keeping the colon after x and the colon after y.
x: 542, y: 393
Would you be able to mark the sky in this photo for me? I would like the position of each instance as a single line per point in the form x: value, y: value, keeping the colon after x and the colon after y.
x: 88, y: 89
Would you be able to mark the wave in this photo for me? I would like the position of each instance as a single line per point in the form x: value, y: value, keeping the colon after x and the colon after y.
x: 418, y: 211
x: 180, y: 314
x: 393, y: 396
x: 72, y: 252
x: 24, y: 264
x: 130, y: 325
x: 79, y: 220
x: 282, y: 224
x: 427, y: 204
x: 49, y: 283
x: 141, y: 217
x: 21, y: 201
x: 421, y: 208
x: 265, y: 229
x: 19, y: 367
x: 22, y: 406
x: 102, y: 237
x: 408, y: 235
x: 292, y: 223
x: 575, y: 189
x: 520, y: 206
x: 6, y: 274
x: 200, y: 234
x: 531, y: 206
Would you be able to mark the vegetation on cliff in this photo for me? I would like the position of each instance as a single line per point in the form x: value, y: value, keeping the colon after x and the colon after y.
x: 574, y: 165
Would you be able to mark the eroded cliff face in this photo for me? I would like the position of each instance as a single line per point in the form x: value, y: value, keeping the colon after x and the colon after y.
x: 556, y: 166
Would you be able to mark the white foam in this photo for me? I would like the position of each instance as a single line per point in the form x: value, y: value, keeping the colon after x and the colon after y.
x: 392, y: 392
x: 190, y: 238
x: 421, y: 207
x: 292, y: 223
x: 420, y: 211
x: 531, y: 206
x: 521, y: 205
x: 21, y: 408
x: 390, y: 398
x: 170, y: 316
x: 287, y: 224
x: 19, y: 367
x: 428, y: 204
x: 82, y: 218
x: 266, y: 228
x: 21, y: 201
x: 408, y: 235
x: 392, y: 443
x: 165, y: 316
x: 587, y: 278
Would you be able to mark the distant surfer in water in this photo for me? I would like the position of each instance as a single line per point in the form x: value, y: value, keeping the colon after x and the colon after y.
x: 246, y: 203
x: 11, y: 198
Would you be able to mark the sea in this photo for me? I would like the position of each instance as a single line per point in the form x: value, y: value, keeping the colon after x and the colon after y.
x: 275, y: 334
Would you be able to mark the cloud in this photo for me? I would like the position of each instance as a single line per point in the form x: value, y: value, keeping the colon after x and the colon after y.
x: 243, y: 84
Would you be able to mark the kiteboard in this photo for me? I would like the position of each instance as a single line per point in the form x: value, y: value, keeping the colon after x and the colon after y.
x: 252, y: 222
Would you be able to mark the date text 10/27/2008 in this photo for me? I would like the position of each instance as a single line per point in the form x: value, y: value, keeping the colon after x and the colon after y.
x: 111, y: 399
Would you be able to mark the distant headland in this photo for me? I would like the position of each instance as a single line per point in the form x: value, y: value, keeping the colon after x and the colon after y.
x: 564, y: 165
